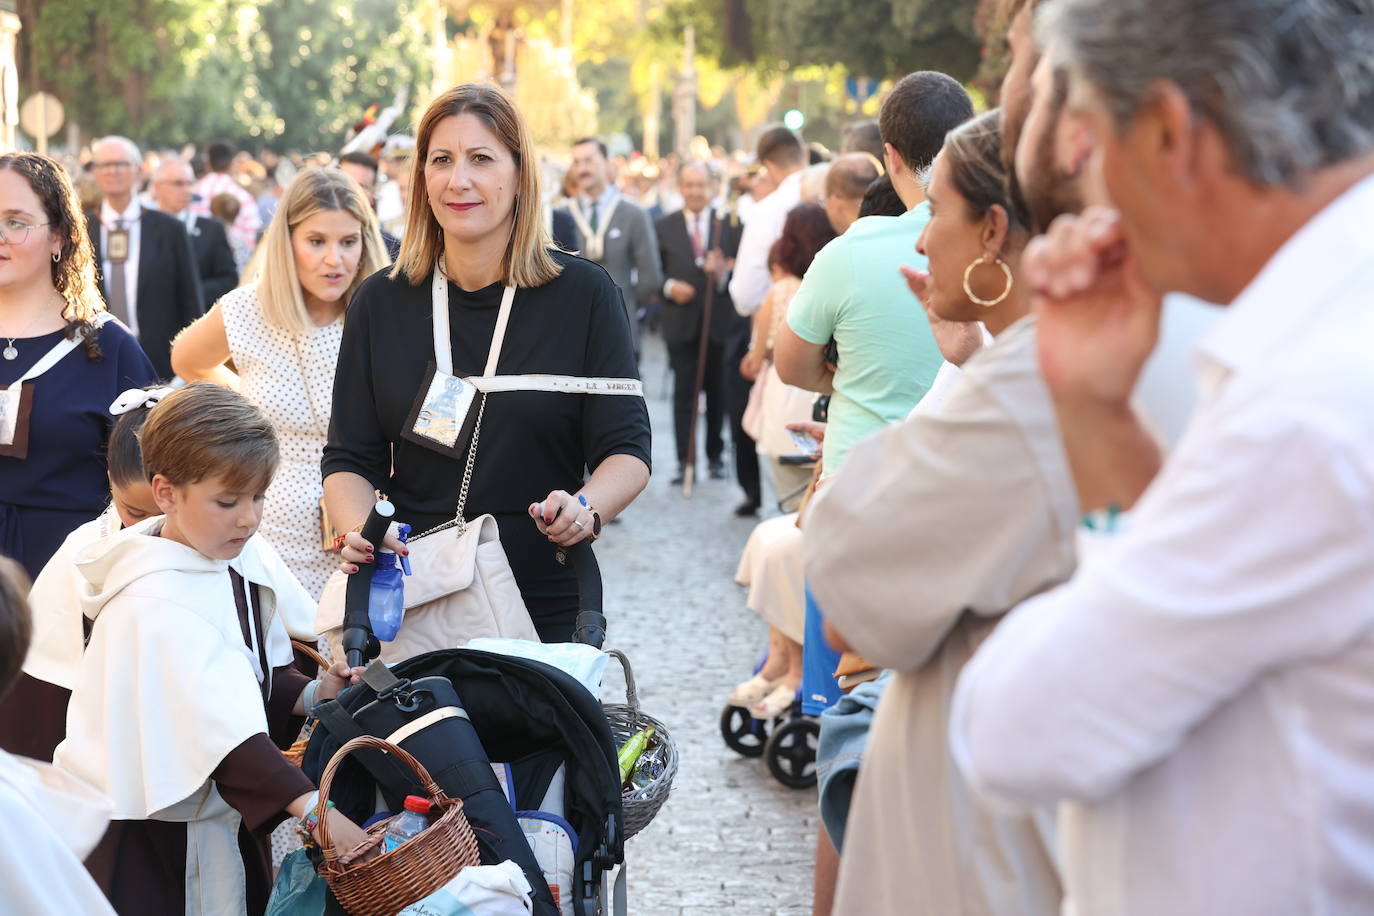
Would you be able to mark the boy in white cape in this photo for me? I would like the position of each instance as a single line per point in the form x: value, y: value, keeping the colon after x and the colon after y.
x: 33, y: 715
x: 187, y: 689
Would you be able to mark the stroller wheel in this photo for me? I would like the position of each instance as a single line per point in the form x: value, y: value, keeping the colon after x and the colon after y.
x: 743, y: 733
x: 791, y: 752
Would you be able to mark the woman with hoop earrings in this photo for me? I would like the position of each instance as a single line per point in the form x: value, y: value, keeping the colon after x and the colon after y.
x: 933, y: 529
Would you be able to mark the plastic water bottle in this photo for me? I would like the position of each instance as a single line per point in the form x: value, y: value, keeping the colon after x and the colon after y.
x: 386, y: 600
x: 408, y: 824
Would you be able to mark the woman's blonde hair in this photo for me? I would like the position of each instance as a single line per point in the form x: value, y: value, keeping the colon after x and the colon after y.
x: 527, y: 261
x: 312, y: 191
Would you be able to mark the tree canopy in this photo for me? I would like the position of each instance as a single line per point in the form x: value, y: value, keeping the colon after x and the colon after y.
x: 875, y: 38
x: 293, y: 74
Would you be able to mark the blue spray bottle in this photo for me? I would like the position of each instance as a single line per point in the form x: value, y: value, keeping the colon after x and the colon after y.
x: 386, y: 600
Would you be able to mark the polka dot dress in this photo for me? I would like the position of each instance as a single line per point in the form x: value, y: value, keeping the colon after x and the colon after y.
x: 291, y: 378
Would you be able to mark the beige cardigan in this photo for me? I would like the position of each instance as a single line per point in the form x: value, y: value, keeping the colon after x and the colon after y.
x: 933, y: 530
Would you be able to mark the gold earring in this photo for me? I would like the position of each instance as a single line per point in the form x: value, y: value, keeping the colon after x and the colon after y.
x: 968, y: 274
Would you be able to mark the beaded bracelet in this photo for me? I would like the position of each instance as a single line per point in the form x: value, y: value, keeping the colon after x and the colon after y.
x: 309, y: 821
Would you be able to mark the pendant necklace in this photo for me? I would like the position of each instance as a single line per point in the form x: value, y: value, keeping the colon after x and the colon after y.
x: 11, y: 352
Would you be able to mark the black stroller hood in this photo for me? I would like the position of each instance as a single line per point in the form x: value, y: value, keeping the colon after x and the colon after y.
x: 522, y: 710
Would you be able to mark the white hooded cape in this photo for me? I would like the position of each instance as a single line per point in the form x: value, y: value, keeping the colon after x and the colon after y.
x: 52, y: 822
x: 167, y: 688
x: 58, y: 636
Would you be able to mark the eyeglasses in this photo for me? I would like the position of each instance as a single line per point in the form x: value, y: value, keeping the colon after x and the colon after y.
x: 176, y: 184
x: 112, y: 166
x: 16, y: 231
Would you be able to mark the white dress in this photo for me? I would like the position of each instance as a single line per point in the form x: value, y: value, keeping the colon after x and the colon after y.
x: 291, y: 378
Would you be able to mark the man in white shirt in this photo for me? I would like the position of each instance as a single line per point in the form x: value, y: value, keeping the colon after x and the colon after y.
x: 1201, y: 693
x: 784, y: 159
x: 147, y: 271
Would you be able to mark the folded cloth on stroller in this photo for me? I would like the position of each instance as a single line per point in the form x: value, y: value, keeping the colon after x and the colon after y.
x: 526, y: 713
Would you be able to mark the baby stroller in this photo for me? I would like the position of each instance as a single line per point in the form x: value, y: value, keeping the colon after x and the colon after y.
x: 458, y: 710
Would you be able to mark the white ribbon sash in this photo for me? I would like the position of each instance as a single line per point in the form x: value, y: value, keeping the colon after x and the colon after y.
x: 54, y: 356
x: 489, y: 381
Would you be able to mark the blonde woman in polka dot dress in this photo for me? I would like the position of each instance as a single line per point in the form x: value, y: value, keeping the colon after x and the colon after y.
x: 282, y: 332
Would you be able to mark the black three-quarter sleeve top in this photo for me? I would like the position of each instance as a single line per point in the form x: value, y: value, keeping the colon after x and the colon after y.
x: 530, y: 442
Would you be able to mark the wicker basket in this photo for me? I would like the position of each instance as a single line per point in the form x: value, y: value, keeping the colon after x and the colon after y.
x: 626, y: 719
x: 383, y: 885
x: 296, y: 752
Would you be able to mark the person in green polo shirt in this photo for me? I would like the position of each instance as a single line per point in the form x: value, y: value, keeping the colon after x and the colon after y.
x: 855, y: 293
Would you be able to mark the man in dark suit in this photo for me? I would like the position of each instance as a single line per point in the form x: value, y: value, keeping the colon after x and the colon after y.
x: 614, y: 231
x: 697, y: 248
x: 147, y: 272
x: 214, y: 258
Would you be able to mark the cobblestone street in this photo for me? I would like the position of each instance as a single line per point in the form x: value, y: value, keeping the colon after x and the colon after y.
x: 731, y: 838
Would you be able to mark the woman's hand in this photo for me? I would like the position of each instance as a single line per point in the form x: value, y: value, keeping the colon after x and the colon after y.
x: 339, y: 676
x: 357, y: 549
x: 750, y: 365
x: 813, y: 429
x: 562, y: 518
x: 957, y: 340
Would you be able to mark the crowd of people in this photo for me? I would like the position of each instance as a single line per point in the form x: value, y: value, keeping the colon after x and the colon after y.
x: 1081, y: 637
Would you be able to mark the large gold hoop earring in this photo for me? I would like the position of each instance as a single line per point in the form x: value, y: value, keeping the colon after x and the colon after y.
x: 968, y: 274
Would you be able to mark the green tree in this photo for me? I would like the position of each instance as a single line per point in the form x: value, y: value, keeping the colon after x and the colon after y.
x: 321, y: 63
x: 295, y: 73
x: 874, y: 38
x: 118, y: 65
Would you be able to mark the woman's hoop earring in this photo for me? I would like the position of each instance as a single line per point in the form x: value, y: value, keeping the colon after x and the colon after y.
x: 57, y: 257
x: 968, y: 290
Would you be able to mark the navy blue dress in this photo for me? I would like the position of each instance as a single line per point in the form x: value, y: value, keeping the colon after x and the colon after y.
x: 62, y: 483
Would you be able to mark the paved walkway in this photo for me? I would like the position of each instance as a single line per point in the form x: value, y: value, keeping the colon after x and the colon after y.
x: 731, y: 838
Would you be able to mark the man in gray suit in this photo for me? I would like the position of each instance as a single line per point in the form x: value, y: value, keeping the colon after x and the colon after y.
x: 614, y: 231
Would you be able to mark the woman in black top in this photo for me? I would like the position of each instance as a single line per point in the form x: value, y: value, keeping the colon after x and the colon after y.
x: 474, y: 205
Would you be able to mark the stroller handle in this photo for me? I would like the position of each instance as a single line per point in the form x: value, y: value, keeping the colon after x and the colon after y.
x: 359, y: 645
x: 590, y: 628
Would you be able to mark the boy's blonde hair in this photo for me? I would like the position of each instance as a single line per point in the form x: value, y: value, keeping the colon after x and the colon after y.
x: 204, y: 430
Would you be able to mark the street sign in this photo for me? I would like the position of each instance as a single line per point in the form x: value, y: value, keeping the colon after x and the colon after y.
x: 860, y: 88
x: 41, y: 116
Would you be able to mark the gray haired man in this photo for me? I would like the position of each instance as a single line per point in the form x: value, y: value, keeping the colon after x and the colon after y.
x: 1201, y: 693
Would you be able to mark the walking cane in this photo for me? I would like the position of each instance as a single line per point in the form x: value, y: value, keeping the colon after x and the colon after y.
x: 690, y: 473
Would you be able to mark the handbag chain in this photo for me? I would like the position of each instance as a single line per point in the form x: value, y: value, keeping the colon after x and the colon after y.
x: 458, y: 521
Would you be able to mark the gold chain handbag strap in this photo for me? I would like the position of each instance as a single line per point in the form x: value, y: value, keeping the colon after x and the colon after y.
x: 458, y: 521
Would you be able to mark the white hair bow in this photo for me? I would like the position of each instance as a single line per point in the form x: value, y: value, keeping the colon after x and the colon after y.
x: 138, y: 397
